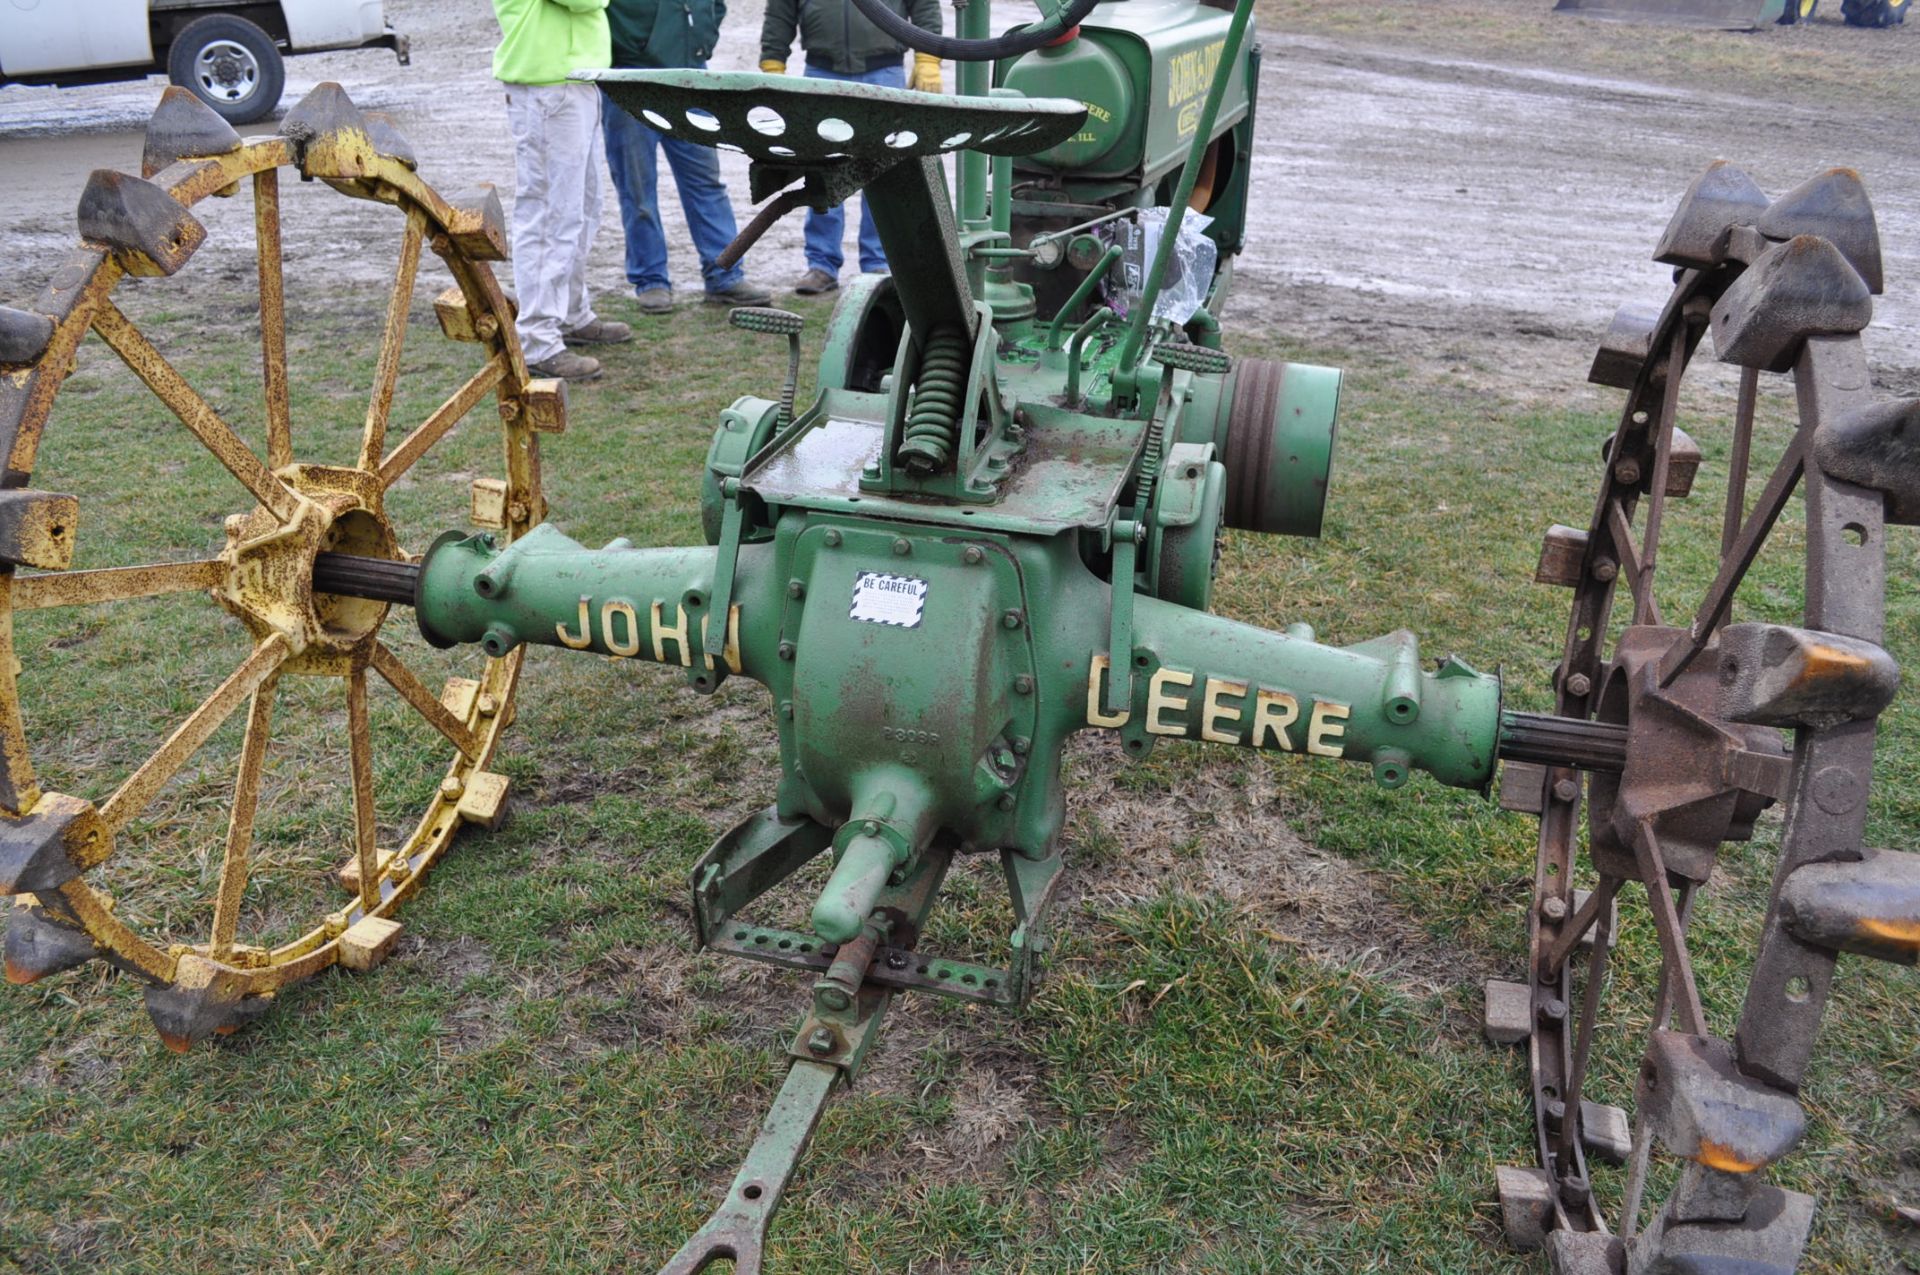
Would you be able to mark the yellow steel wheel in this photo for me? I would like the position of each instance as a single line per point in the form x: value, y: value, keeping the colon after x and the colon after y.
x: 152, y: 860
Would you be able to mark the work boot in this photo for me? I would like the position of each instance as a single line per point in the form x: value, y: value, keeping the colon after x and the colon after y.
x: 816, y: 281
x: 655, y: 300
x: 599, y: 332
x: 567, y: 366
x: 741, y: 293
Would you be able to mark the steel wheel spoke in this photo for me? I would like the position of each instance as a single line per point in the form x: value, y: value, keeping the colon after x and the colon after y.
x: 387, y: 370
x: 444, y: 418
x: 140, y: 788
x: 360, y: 751
x: 1676, y: 964
x: 424, y: 701
x: 273, y: 316
x: 113, y: 584
x: 194, y: 411
x: 1645, y: 610
x: 1733, y: 567
x: 236, y: 863
x: 1740, y: 460
x: 1639, y: 578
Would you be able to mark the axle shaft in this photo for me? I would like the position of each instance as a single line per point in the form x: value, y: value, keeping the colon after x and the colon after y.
x: 349, y: 575
x: 1563, y: 741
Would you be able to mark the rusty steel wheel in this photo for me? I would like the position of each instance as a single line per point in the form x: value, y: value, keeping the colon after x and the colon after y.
x: 1734, y: 704
x: 186, y: 932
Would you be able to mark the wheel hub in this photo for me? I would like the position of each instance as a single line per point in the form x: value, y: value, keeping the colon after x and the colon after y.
x: 268, y: 567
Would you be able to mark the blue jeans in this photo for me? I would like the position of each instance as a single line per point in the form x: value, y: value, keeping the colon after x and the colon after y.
x: 631, y: 158
x: 825, y: 230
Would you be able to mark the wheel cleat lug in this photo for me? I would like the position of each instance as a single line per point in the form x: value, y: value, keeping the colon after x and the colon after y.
x: 1774, y: 675
x: 148, y: 233
x: 1719, y: 199
x: 1797, y: 289
x: 1875, y: 446
x: 184, y: 127
x: 1703, y: 1108
x: 1835, y: 207
x: 1870, y: 907
x: 204, y: 1000
x: 37, y: 946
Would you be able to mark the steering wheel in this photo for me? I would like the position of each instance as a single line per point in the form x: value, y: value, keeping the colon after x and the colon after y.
x: 1025, y: 40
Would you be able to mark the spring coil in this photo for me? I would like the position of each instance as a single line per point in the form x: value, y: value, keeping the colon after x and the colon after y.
x: 933, y: 418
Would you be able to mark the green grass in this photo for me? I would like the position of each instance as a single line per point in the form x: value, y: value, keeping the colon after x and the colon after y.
x: 547, y: 1077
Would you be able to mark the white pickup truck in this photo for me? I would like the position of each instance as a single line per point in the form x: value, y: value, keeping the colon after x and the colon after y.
x: 228, y: 52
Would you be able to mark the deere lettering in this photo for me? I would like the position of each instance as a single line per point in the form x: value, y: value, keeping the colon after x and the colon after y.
x: 1230, y: 712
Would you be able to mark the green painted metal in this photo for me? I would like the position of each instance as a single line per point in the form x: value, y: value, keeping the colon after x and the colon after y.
x: 1202, y: 132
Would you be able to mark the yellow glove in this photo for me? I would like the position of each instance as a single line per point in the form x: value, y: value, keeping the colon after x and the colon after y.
x: 926, y: 73
x: 773, y: 66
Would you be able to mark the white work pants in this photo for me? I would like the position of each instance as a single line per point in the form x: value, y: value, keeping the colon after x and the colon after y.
x: 557, y: 157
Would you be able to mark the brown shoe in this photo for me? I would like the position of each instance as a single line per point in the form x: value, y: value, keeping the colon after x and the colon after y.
x: 599, y: 332
x: 655, y: 301
x: 816, y: 281
x: 567, y: 366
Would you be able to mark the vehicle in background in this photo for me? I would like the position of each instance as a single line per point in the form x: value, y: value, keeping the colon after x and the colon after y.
x: 229, y: 53
x: 1739, y: 15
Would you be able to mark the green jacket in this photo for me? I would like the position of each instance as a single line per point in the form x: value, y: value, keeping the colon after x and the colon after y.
x: 837, y: 36
x: 542, y: 41
x: 665, y: 33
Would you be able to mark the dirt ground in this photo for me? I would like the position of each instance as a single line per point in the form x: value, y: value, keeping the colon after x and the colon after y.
x: 1422, y: 207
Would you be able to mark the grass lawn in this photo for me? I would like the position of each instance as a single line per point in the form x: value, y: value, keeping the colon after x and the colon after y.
x: 1258, y: 1047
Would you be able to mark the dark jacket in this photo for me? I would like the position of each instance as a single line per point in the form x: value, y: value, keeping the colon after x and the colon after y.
x: 837, y: 36
x: 666, y: 34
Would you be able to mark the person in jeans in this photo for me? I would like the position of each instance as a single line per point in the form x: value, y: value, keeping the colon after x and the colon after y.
x: 841, y: 44
x: 556, y: 160
x: 669, y: 34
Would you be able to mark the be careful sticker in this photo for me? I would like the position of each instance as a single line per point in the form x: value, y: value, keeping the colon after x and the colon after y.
x: 879, y: 598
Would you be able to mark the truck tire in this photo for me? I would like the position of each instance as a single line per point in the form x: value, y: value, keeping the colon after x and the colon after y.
x: 1875, y: 13
x: 230, y: 64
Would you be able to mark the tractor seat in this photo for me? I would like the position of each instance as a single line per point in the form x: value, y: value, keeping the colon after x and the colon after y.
x: 838, y: 135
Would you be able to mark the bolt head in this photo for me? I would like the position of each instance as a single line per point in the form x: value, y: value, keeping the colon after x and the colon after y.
x: 1627, y: 473
x: 972, y: 555
x: 1006, y: 801
x: 1023, y: 684
x: 1021, y: 744
x: 1013, y: 619
x: 1553, y: 1010
x: 452, y: 786
x: 832, y: 538
x: 1605, y: 569
x: 871, y: 828
x: 902, y: 546
x: 785, y: 650
x: 1579, y: 684
x: 896, y: 960
x: 821, y: 1041
x: 796, y: 589
x: 1566, y: 789
x: 1554, y: 908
